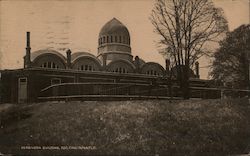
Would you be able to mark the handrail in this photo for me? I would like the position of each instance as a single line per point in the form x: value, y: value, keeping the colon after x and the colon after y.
x: 95, y: 83
x: 224, y: 89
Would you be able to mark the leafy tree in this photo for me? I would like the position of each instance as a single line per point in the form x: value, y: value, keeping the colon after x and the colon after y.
x: 185, y: 26
x: 231, y: 64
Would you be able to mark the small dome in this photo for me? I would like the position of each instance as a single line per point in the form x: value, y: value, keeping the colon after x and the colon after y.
x: 114, y: 27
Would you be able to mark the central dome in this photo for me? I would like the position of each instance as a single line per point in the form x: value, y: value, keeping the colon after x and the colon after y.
x: 114, y: 27
x: 114, y: 42
x: 114, y: 32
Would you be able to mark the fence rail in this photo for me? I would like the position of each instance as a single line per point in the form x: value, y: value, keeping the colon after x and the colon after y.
x: 132, y: 90
x: 107, y: 89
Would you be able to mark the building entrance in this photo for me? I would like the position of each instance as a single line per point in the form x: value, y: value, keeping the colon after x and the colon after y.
x: 22, y: 90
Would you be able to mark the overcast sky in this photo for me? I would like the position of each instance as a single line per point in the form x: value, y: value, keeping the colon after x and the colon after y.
x: 76, y: 24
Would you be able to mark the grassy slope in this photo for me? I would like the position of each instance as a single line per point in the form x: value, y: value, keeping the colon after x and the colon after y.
x: 211, y: 127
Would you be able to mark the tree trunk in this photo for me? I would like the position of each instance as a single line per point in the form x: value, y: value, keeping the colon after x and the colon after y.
x: 180, y: 77
x: 185, y: 83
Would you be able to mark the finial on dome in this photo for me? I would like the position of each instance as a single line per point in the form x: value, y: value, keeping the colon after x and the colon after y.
x: 114, y: 18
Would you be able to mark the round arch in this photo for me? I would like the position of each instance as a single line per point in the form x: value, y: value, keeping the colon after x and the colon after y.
x: 48, y: 59
x: 88, y: 63
x: 121, y: 66
x: 152, y: 68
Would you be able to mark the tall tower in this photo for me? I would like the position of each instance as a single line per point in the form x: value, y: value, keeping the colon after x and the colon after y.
x: 114, y: 42
x: 27, y: 61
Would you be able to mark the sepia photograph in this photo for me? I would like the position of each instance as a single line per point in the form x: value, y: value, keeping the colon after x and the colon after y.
x: 125, y: 77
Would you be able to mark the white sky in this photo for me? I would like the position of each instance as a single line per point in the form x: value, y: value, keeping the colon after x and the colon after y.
x: 76, y: 25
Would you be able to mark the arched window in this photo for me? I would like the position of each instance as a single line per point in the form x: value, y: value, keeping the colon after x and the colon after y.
x: 111, y: 39
x: 152, y: 72
x: 104, y: 41
x: 86, y: 68
x: 49, y: 64
x: 120, y: 70
x: 120, y: 39
x: 115, y: 38
x: 107, y: 39
x: 124, y: 39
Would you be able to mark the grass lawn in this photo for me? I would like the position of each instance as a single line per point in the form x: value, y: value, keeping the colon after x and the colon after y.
x: 191, y: 127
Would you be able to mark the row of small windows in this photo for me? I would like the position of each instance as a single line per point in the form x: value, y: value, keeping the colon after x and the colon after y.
x: 86, y: 68
x: 49, y: 65
x: 114, y: 39
x: 152, y: 72
x: 120, y: 70
x: 53, y: 65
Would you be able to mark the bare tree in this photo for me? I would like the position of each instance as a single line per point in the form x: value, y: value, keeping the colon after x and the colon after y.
x: 185, y: 26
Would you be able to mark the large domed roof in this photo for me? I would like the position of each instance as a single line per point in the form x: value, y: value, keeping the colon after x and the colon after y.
x: 114, y: 26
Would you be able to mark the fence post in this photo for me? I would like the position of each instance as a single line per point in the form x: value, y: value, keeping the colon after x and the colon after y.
x: 222, y: 93
x: 248, y: 73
